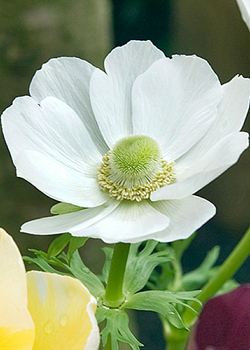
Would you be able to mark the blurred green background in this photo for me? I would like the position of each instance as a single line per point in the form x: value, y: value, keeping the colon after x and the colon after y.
x: 33, y: 31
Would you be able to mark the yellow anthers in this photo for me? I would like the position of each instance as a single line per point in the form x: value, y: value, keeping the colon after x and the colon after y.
x: 165, y: 176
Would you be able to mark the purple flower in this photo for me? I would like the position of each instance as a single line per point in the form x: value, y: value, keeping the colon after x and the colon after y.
x: 224, y: 323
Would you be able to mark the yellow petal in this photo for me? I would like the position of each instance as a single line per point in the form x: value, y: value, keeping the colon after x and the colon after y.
x: 16, y: 325
x: 63, y: 313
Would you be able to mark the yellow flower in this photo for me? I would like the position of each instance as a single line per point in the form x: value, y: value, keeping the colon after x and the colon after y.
x: 42, y: 311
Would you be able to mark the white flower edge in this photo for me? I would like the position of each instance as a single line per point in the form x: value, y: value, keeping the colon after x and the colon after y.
x: 196, y: 147
x: 244, y: 6
x: 165, y: 221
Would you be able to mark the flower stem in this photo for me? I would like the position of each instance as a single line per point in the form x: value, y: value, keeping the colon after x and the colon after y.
x: 114, y: 291
x: 228, y: 268
x: 176, y: 338
x: 177, y: 274
x: 225, y: 272
x: 176, y: 345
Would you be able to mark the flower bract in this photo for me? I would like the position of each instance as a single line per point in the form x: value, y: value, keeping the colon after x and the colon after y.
x: 42, y: 311
x: 224, y: 323
x: 129, y: 145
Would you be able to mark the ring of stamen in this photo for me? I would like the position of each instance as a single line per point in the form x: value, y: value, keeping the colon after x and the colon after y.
x: 164, y: 177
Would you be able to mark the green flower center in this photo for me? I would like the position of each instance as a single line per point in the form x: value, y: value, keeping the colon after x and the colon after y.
x: 134, y: 160
x: 134, y: 169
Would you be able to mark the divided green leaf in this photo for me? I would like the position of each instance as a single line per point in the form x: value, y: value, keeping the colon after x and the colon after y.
x: 106, y: 267
x: 88, y: 278
x: 116, y: 329
x: 74, y: 244
x: 75, y: 267
x: 197, y: 278
x: 64, y: 208
x: 140, y: 265
x: 58, y: 244
x: 164, y: 303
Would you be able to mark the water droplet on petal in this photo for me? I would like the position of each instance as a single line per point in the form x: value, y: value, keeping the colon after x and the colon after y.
x: 48, y: 328
x: 63, y: 320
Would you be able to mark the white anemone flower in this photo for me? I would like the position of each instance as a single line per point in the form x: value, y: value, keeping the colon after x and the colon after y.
x: 40, y: 310
x: 130, y: 145
x: 244, y: 6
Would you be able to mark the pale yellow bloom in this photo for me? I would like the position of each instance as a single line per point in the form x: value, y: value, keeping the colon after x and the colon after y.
x: 42, y: 311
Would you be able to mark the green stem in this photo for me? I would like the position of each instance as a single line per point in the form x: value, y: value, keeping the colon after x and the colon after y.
x: 176, y: 338
x: 177, y: 275
x: 114, y: 291
x: 230, y: 266
x: 226, y: 271
x: 176, y: 345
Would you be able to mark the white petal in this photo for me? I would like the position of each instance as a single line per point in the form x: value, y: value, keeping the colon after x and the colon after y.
x: 186, y: 216
x: 224, y: 154
x: 69, y: 222
x: 175, y: 102
x: 233, y: 108
x: 67, y: 78
x: 67, y: 126
x: 63, y: 312
x: 130, y: 222
x: 244, y: 6
x: 188, y: 186
x: 231, y: 115
x: 111, y: 93
x: 16, y: 325
x: 59, y: 181
x: 54, y: 128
